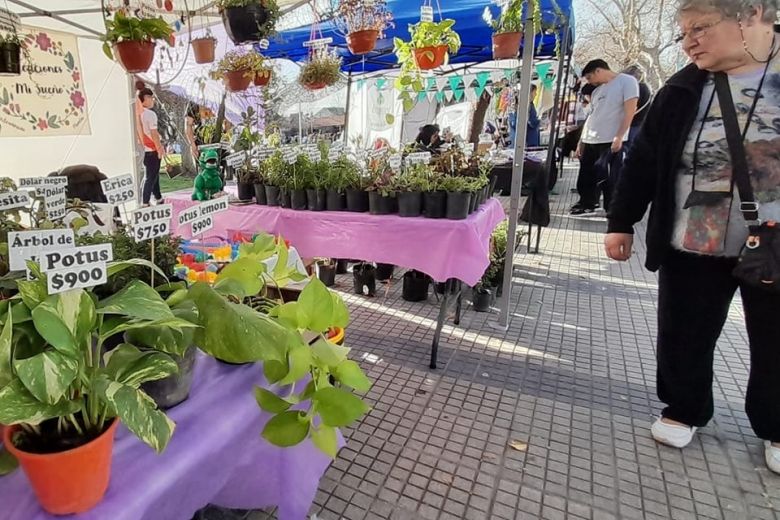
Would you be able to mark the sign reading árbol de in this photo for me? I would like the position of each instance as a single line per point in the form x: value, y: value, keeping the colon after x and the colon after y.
x: 48, y: 98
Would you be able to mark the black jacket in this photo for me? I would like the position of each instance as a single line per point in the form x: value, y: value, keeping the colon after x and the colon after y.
x: 650, y: 170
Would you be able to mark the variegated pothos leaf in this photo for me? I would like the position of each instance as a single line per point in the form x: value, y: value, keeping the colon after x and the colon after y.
x: 18, y: 405
x: 128, y: 365
x: 47, y: 375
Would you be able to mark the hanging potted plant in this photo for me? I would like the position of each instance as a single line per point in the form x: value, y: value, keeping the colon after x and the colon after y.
x: 322, y: 69
x: 429, y: 47
x: 363, y: 22
x: 508, y: 27
x: 132, y: 40
x: 10, y: 55
x: 238, y: 69
x: 203, y: 48
x: 248, y: 20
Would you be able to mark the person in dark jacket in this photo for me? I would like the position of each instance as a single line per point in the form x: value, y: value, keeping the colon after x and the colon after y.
x: 645, y: 97
x: 680, y: 164
x: 428, y: 139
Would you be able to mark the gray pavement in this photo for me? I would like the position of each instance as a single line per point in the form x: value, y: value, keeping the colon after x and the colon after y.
x: 548, y: 419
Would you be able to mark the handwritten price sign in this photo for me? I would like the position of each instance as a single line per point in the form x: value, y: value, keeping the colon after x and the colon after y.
x: 75, y: 278
x: 152, y: 222
x: 14, y: 199
x: 119, y: 190
x: 76, y: 268
x: 202, y: 224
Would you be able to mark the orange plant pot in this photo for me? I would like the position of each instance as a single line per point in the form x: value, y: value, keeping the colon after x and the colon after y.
x: 68, y: 482
x: 262, y: 78
x: 506, y: 45
x: 135, y: 56
x: 203, y: 50
x: 237, y: 80
x: 315, y: 86
x: 428, y: 58
x: 362, y: 42
x: 336, y: 335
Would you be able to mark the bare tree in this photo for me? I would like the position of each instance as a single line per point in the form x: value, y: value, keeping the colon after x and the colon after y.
x: 624, y: 32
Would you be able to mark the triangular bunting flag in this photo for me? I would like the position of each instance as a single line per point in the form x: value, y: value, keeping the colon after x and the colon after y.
x: 440, y: 97
x: 448, y: 94
x: 458, y: 94
x: 468, y: 80
x: 471, y: 94
x: 479, y: 90
x: 360, y: 84
x: 421, y: 96
x: 455, y: 80
x: 509, y: 74
x: 441, y: 83
x: 482, y: 78
x: 380, y: 83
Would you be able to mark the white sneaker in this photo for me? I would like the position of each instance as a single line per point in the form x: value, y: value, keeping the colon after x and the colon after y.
x: 772, y: 456
x: 674, y: 435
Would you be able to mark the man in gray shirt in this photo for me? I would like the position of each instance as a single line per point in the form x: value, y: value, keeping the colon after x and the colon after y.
x: 614, y: 103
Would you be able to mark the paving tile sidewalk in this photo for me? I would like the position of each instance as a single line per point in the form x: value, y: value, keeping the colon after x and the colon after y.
x: 548, y: 419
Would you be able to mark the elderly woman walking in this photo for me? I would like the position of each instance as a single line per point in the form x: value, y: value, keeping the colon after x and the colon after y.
x: 681, y: 162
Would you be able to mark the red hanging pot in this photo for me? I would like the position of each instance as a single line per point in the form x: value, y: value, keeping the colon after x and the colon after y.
x: 237, y: 80
x: 315, y: 86
x: 428, y: 58
x: 135, y: 56
x: 262, y: 78
x: 506, y: 45
x: 362, y: 42
x: 203, y: 49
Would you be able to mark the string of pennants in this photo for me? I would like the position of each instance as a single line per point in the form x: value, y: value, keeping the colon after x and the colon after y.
x: 459, y: 86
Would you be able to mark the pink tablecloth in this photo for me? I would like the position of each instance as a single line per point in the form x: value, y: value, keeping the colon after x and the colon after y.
x: 441, y: 248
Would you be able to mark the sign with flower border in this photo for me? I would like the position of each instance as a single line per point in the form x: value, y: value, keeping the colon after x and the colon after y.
x: 48, y: 98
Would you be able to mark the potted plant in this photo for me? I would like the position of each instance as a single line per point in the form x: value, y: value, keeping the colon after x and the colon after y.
x: 458, y: 196
x: 364, y: 279
x: 381, y: 194
x: 10, y: 55
x: 363, y: 22
x: 263, y: 76
x: 62, y: 421
x: 357, y: 195
x: 248, y: 20
x: 261, y: 198
x: 247, y: 176
x: 300, y: 176
x: 316, y: 194
x: 435, y: 199
x: 203, y: 48
x: 508, y: 27
x: 322, y: 69
x: 326, y: 271
x: 428, y: 48
x: 415, y: 286
x: 132, y: 40
x: 409, y: 186
x: 273, y: 170
x: 482, y: 298
x: 338, y: 176
x: 384, y: 272
x: 238, y: 68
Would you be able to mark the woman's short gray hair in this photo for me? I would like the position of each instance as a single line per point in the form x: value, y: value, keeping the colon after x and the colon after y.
x: 731, y: 8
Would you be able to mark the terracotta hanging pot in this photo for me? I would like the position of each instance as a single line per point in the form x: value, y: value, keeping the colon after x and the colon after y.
x: 428, y: 58
x: 237, y: 80
x: 203, y: 49
x: 263, y: 78
x: 506, y: 45
x: 315, y: 86
x: 362, y: 42
x: 135, y: 56
x: 68, y: 482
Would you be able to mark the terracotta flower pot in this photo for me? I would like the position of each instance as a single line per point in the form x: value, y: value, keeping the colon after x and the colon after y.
x: 203, y: 49
x: 315, y: 86
x: 135, y: 56
x: 237, y: 80
x: 262, y: 78
x: 428, y: 58
x: 68, y: 482
x: 506, y: 45
x: 362, y: 42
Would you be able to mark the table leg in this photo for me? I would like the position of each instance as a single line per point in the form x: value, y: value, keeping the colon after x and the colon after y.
x: 439, y: 325
x: 538, y: 237
x: 459, y: 302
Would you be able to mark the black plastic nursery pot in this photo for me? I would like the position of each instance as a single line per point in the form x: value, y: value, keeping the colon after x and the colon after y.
x: 316, y: 200
x: 342, y: 266
x: 298, y: 199
x: 10, y: 59
x: 472, y: 202
x: 246, y: 191
x: 415, y: 288
x: 458, y: 205
x: 243, y: 23
x: 482, y: 298
x: 384, y: 272
x: 492, y: 185
x: 379, y: 204
x: 174, y: 389
x: 285, y: 200
x: 272, y: 195
x: 441, y: 287
x: 327, y: 274
x: 435, y: 204
x: 410, y: 204
x: 260, y: 196
x: 357, y: 201
x: 364, y: 278
x: 335, y: 200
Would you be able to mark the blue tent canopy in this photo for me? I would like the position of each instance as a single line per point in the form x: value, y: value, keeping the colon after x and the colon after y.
x: 474, y: 33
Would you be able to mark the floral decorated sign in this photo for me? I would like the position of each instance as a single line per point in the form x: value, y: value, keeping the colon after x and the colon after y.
x: 48, y: 98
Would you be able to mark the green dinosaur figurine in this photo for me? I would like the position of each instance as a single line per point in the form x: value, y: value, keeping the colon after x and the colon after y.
x: 207, y: 183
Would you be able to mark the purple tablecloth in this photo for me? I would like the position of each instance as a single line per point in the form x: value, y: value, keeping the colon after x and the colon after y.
x: 441, y: 248
x: 216, y: 456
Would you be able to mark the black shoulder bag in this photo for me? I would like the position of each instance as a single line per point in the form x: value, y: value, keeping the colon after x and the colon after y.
x: 759, y: 262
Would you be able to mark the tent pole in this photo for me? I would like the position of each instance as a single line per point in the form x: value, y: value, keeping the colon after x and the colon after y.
x: 567, y: 107
x: 135, y: 158
x: 55, y: 16
x: 346, y: 111
x: 521, y: 131
x: 555, y: 124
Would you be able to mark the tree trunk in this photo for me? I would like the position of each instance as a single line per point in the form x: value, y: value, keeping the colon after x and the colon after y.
x: 478, y: 121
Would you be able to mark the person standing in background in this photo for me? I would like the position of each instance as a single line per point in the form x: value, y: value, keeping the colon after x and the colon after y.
x: 645, y: 98
x: 534, y: 135
x: 192, y: 123
x: 154, y: 151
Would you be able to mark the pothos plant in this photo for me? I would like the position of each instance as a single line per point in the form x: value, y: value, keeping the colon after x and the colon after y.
x: 129, y: 28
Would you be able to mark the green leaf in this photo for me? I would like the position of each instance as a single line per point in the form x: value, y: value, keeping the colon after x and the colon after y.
x: 47, y: 375
x: 18, y: 405
x: 349, y: 373
x: 288, y: 314
x: 5, y: 351
x: 408, y: 105
x: 117, y: 267
x: 137, y: 300
x: 117, y: 324
x: 8, y: 462
x: 299, y: 361
x: 261, y: 249
x: 274, y: 371
x: 328, y: 353
x: 57, y: 325
x: 171, y: 340
x: 389, y: 119
x: 107, y: 51
x: 138, y: 413
x: 315, y: 307
x: 33, y: 292
x: 269, y: 401
x: 245, y: 271
x: 287, y: 429
x: 130, y: 366
x: 326, y: 440
x: 340, y: 312
x: 283, y: 254
x: 337, y: 407
x: 236, y: 333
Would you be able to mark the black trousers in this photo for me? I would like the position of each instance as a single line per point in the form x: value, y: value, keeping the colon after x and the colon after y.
x: 152, y: 184
x: 588, y: 185
x: 695, y: 293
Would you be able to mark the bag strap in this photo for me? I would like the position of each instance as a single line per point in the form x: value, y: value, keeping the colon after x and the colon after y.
x: 739, y: 164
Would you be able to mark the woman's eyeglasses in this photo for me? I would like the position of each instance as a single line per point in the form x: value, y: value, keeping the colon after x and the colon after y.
x: 696, y: 32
